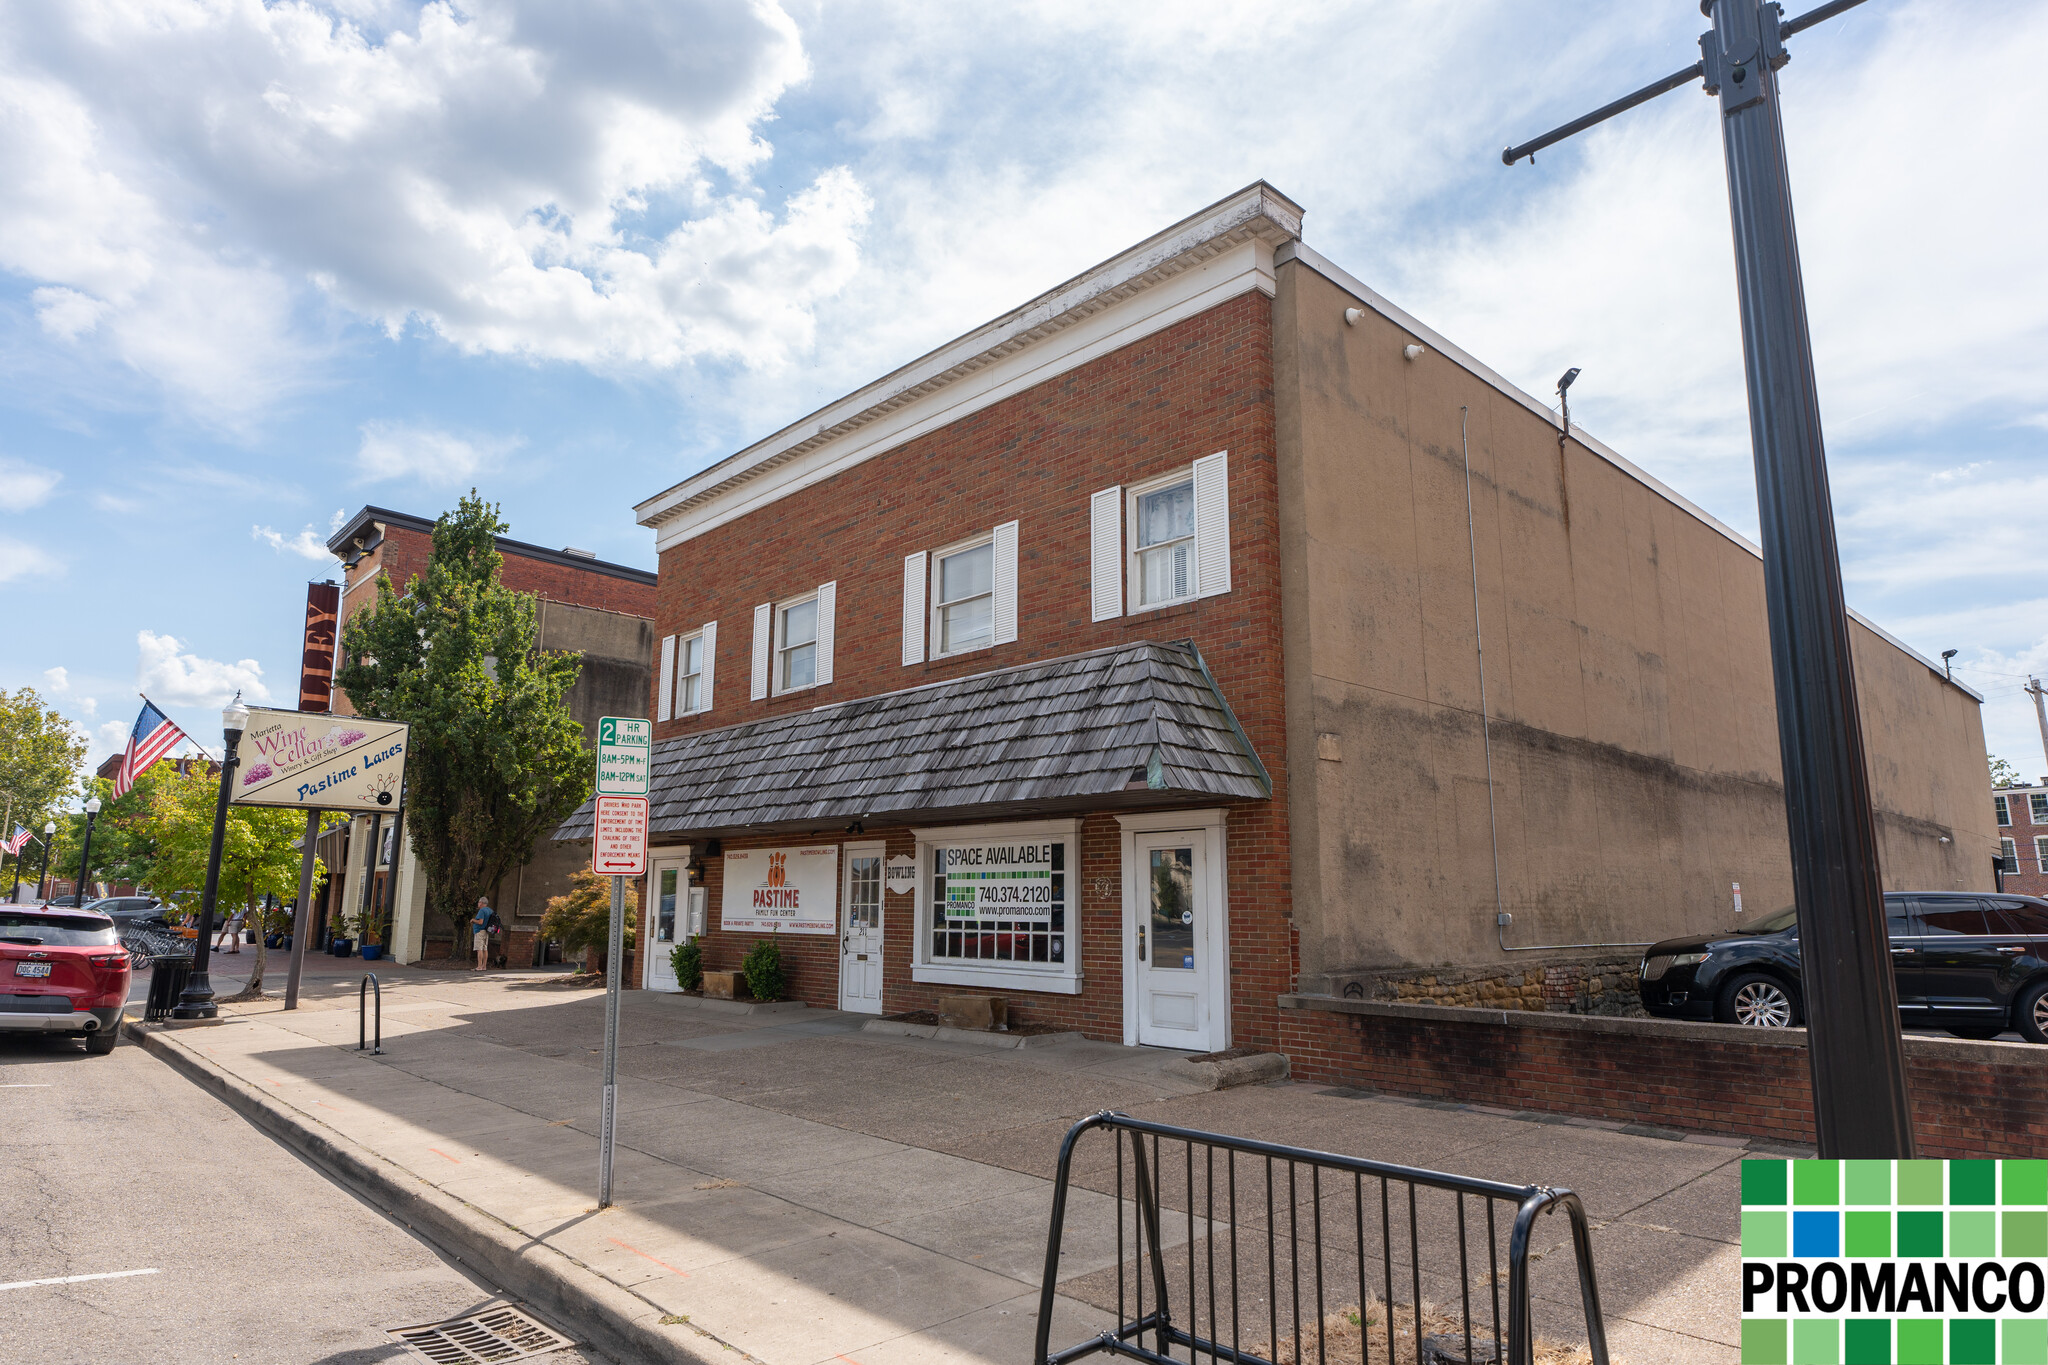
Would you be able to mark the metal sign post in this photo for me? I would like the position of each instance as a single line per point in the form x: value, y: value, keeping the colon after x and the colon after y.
x: 1860, y: 1103
x: 619, y: 848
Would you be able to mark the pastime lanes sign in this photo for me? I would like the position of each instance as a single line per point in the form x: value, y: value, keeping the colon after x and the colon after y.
x: 781, y: 890
x: 308, y: 760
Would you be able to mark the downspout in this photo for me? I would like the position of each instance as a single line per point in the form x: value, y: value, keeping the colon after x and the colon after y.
x: 1501, y: 918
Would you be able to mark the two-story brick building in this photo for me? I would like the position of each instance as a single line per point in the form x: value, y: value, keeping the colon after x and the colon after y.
x: 1122, y: 658
x: 2022, y: 817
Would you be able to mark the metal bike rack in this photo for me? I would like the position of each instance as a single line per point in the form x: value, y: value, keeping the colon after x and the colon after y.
x: 1315, y: 1214
x: 368, y: 985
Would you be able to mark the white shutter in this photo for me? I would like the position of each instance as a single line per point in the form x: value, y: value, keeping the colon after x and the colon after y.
x: 710, y: 665
x: 764, y: 633
x: 1212, y: 524
x: 1006, y: 584
x: 914, y: 569
x: 828, y: 595
x: 1106, y: 554
x: 668, y: 678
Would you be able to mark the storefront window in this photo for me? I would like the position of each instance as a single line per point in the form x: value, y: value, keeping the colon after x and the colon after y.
x: 999, y: 900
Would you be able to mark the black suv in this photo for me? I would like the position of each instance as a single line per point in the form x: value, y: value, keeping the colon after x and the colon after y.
x: 1972, y: 964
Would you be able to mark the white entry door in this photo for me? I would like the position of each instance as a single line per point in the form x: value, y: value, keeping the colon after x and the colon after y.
x: 668, y: 881
x: 1172, y: 930
x: 860, y: 931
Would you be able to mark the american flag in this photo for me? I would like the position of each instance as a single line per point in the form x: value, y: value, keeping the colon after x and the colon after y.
x: 18, y: 842
x: 152, y: 738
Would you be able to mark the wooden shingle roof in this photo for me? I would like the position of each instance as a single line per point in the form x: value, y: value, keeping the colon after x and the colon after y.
x: 1141, y: 724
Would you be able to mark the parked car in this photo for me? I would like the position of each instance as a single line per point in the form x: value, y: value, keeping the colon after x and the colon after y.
x: 130, y: 910
x: 1972, y: 964
x: 62, y: 971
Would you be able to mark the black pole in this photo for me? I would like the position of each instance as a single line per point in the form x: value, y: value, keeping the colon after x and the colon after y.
x: 1860, y: 1103
x: 85, y: 856
x: 14, y: 892
x: 43, y: 872
x: 197, y: 1001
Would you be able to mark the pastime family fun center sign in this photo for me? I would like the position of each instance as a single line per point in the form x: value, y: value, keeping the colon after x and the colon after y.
x: 320, y: 762
x: 781, y: 890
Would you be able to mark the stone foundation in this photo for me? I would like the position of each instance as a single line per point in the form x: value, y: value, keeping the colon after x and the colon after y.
x: 1591, y: 985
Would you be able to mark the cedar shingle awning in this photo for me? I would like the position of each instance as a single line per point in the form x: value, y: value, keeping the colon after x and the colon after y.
x: 1139, y: 725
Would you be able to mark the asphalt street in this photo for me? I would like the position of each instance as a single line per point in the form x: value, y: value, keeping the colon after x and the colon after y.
x: 210, y: 1241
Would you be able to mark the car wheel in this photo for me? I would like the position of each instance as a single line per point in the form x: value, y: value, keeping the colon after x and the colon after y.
x: 101, y: 1043
x: 1976, y: 1033
x: 2031, y: 1018
x: 1757, y: 1001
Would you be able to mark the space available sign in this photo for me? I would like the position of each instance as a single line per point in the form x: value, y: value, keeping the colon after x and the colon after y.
x: 292, y: 758
x: 781, y: 890
x: 1011, y: 881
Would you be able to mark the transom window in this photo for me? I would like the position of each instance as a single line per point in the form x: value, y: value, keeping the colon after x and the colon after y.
x: 1163, y: 543
x: 1002, y: 900
x: 964, y: 610
x: 796, y: 645
x: 690, y: 685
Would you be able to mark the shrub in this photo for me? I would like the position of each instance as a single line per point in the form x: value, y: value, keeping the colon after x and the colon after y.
x: 583, y: 918
x: 688, y: 961
x: 763, y: 967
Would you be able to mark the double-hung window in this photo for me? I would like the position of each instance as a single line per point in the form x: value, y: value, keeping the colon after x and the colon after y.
x: 690, y: 675
x: 1163, y: 543
x: 687, y: 662
x: 796, y: 645
x: 2008, y: 856
x: 2037, y: 808
x: 963, y: 598
x: 2041, y: 852
x: 2004, y: 809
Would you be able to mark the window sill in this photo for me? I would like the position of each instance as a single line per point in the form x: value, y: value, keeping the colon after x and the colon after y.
x: 1058, y: 982
x: 1178, y: 606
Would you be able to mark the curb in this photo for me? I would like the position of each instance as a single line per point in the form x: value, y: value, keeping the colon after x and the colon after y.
x: 977, y: 1037
x: 616, y: 1321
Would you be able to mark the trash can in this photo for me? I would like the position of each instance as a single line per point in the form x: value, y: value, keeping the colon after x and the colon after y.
x: 166, y: 983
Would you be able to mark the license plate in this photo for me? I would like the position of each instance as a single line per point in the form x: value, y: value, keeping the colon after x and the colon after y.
x: 31, y: 969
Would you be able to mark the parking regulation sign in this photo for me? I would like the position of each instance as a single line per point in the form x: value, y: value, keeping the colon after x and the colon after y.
x: 620, y: 846
x: 625, y: 751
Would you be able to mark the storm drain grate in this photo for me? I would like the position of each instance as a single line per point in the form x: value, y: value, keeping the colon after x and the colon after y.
x: 492, y: 1335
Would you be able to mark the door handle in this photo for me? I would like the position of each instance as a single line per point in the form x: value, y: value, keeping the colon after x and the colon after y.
x: 1141, y: 943
x: 2012, y: 950
x: 1902, y: 952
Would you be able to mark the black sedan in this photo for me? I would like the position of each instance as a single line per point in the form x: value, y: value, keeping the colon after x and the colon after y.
x: 1972, y: 964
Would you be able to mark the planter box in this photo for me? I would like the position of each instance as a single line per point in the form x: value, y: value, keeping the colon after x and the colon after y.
x: 726, y: 985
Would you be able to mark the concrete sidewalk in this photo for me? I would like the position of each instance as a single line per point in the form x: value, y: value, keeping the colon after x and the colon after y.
x: 798, y: 1190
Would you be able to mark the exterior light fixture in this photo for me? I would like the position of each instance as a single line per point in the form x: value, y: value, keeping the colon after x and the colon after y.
x: 1413, y: 352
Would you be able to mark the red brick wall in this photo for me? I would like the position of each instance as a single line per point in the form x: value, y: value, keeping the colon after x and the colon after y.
x: 2029, y: 880
x: 404, y: 554
x: 1969, y: 1099
x: 1154, y: 406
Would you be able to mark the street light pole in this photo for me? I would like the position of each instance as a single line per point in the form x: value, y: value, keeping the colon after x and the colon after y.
x: 92, y: 813
x: 197, y: 1001
x: 43, y: 872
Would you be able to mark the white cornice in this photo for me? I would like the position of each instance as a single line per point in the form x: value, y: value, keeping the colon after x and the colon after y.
x: 1225, y: 250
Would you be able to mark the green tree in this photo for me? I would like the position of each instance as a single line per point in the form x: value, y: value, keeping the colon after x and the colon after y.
x: 2003, y: 774
x: 495, y: 760
x: 259, y: 854
x: 582, y: 917
x: 42, y: 757
x: 124, y: 835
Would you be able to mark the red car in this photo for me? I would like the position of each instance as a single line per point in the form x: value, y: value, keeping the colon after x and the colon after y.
x: 62, y: 971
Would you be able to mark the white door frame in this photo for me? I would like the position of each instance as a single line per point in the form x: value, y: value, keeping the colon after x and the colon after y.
x: 847, y: 853
x: 657, y: 860
x: 1215, y: 976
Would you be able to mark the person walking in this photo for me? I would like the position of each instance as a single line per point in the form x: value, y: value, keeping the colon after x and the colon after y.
x: 231, y: 930
x: 480, y: 931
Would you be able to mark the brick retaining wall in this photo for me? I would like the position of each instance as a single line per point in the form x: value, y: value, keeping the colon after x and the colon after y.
x: 1969, y: 1099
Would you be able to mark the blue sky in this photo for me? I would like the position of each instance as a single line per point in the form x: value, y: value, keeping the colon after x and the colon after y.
x: 260, y: 265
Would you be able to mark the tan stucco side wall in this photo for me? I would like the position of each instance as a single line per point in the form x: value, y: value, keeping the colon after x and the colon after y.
x: 1635, y: 750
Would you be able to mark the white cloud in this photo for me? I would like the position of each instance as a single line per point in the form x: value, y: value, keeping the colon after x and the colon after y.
x: 88, y: 707
x: 399, y: 450
x: 24, y: 485
x: 308, y: 543
x: 19, y: 561
x: 520, y: 178
x: 59, y: 679
x: 171, y: 677
x: 110, y: 738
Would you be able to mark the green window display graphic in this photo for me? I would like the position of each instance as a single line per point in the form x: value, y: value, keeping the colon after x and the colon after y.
x: 1895, y: 1262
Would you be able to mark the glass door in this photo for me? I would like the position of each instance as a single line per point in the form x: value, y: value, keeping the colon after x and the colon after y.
x: 667, y: 878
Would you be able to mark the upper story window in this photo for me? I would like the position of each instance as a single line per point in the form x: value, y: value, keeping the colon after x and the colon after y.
x: 1168, y: 539
x: 2037, y: 805
x: 2004, y: 809
x: 687, y: 663
x: 2008, y: 856
x: 1163, y: 543
x: 963, y: 611
x: 793, y: 642
x: 961, y: 598
x: 796, y: 645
